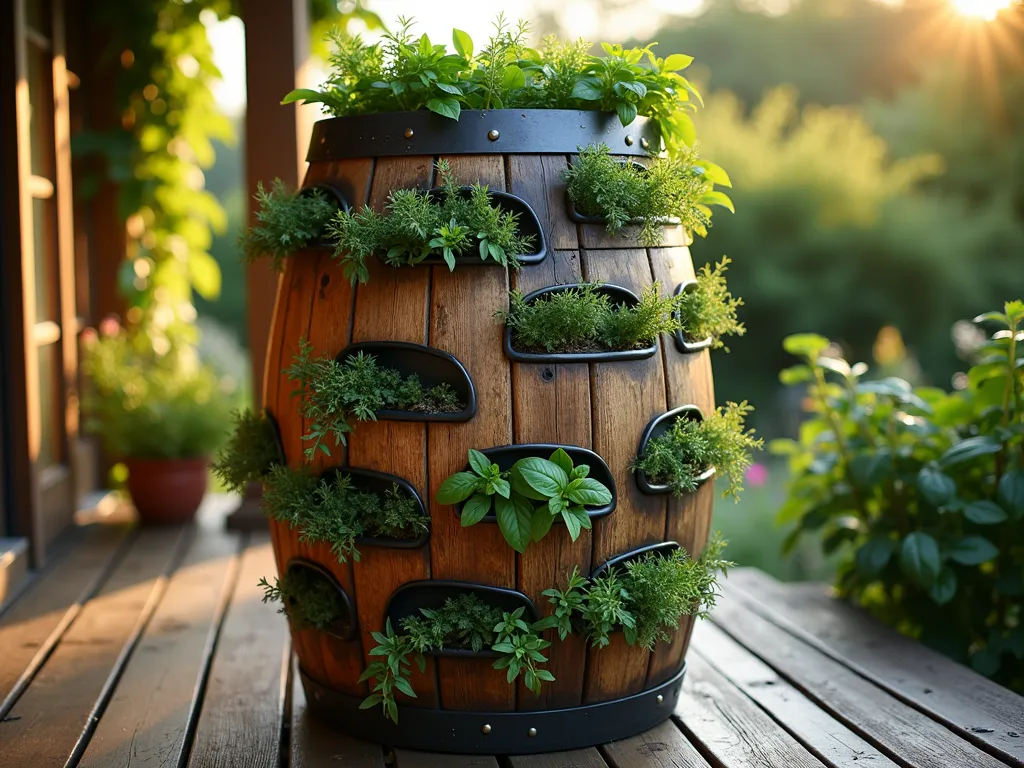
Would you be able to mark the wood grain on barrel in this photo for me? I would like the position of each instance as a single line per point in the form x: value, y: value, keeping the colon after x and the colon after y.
x: 462, y: 322
x: 626, y: 396
x: 687, y: 382
x: 393, y: 306
x: 538, y: 179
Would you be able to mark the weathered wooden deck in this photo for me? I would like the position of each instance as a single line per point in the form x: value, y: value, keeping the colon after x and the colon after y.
x: 152, y: 648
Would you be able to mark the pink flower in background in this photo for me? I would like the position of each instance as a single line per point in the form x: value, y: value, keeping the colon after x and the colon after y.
x: 110, y: 325
x: 757, y: 475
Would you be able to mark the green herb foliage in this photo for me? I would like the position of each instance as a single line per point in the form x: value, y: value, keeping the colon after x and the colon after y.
x: 417, y: 226
x: 690, y: 447
x: 249, y: 453
x: 334, y: 511
x: 286, y: 222
x: 646, y: 600
x: 466, y: 622
x: 679, y: 187
x: 527, y: 498
x: 307, y: 598
x: 582, y: 319
x: 922, y: 491
x: 404, y: 73
x: 335, y: 393
x: 709, y: 310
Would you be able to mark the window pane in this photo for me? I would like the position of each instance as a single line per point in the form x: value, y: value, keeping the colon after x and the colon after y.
x: 44, y: 231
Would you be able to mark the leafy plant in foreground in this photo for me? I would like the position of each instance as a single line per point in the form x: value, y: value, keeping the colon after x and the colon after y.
x: 690, y: 447
x: 249, y: 453
x: 334, y: 393
x: 582, y: 319
x: 646, y: 600
x: 464, y: 621
x: 417, y: 225
x: 527, y: 498
x: 405, y: 73
x: 709, y: 311
x: 306, y: 597
x: 677, y: 187
x: 334, y: 511
x: 923, y: 492
x: 286, y: 222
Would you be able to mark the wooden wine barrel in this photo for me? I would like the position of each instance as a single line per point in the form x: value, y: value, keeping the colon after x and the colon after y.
x: 604, y: 406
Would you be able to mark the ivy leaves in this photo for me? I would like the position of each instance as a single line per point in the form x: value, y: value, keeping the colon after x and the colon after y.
x: 528, y: 497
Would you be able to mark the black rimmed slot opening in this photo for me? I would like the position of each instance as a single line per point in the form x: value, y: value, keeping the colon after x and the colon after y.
x: 619, y: 562
x: 380, y: 483
x: 412, y: 596
x: 682, y: 344
x: 658, y: 427
x: 344, y: 627
x: 618, y: 295
x: 333, y: 195
x: 275, y: 430
x: 584, y: 218
x: 432, y: 366
x: 507, y: 455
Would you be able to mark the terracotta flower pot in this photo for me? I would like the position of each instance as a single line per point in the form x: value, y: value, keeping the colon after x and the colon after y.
x: 167, y: 491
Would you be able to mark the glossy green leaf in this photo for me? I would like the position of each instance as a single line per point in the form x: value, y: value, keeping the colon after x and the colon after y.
x: 591, y: 493
x: 515, y: 519
x: 541, y: 523
x: 562, y: 459
x: 458, y: 487
x: 714, y: 197
x: 944, y: 588
x: 805, y: 344
x: 479, y: 462
x: 875, y: 554
x: 446, y: 107
x: 984, y: 512
x: 973, y: 550
x: 588, y: 89
x: 676, y: 62
x: 543, y: 475
x: 476, y: 508
x: 512, y: 77
x: 971, y: 448
x: 463, y: 43
x: 1011, y: 493
x: 937, y: 487
x: 626, y: 111
x: 919, y: 558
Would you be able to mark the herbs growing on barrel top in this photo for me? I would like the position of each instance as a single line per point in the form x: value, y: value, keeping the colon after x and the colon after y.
x: 336, y: 393
x: 690, y: 447
x: 404, y: 73
x: 583, y: 319
x: 646, y: 599
x: 709, y: 310
x: 465, y: 622
x: 416, y: 225
x: 920, y: 492
x: 285, y: 223
x: 307, y: 598
x: 527, y: 498
x: 334, y: 511
x: 249, y: 453
x: 621, y: 192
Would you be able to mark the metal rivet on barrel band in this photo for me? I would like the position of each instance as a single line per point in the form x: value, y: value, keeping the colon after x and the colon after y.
x: 645, y: 143
x: 409, y: 133
x: 660, y: 699
x: 532, y: 732
x: 486, y: 729
x: 629, y: 140
x: 493, y: 135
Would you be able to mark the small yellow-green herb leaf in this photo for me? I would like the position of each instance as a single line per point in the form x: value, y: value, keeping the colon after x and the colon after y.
x: 676, y: 62
x: 463, y: 43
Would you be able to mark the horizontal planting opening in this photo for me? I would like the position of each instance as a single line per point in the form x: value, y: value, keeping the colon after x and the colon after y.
x: 682, y: 343
x: 380, y: 484
x: 617, y: 295
x: 313, y: 598
x: 433, y: 367
x: 275, y: 429
x: 658, y: 427
x: 411, y: 598
x: 507, y: 455
x: 619, y: 562
x: 334, y: 196
x: 528, y: 226
x: 588, y: 218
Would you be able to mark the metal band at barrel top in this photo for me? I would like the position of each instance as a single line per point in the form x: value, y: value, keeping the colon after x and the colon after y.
x: 478, y: 132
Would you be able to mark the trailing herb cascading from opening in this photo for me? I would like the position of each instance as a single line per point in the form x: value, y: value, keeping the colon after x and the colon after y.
x: 582, y: 319
x: 709, y: 311
x: 417, y: 225
x: 690, y: 447
x: 527, y: 498
x: 307, y: 598
x: 334, y: 393
x: 335, y: 512
x: 678, y: 187
x: 646, y: 600
x: 250, y: 452
x: 465, y: 622
x: 286, y: 222
x: 404, y: 73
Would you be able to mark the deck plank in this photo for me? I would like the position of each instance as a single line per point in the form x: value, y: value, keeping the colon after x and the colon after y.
x: 815, y: 728
x: 977, y: 708
x: 316, y: 745
x: 46, y: 722
x: 409, y: 758
x: 32, y: 626
x: 664, y: 746
x: 149, y: 717
x: 731, y: 727
x: 577, y: 758
x: 900, y: 731
x: 243, y: 708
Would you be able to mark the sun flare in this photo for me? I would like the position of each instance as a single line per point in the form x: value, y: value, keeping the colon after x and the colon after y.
x: 985, y: 10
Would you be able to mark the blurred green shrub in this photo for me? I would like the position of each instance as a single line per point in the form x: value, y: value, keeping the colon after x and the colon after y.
x: 922, y: 491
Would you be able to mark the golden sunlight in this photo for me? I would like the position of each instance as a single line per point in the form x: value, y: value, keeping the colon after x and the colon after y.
x: 980, y: 9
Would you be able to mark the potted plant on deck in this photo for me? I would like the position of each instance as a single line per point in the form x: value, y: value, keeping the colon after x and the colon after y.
x: 159, y: 411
